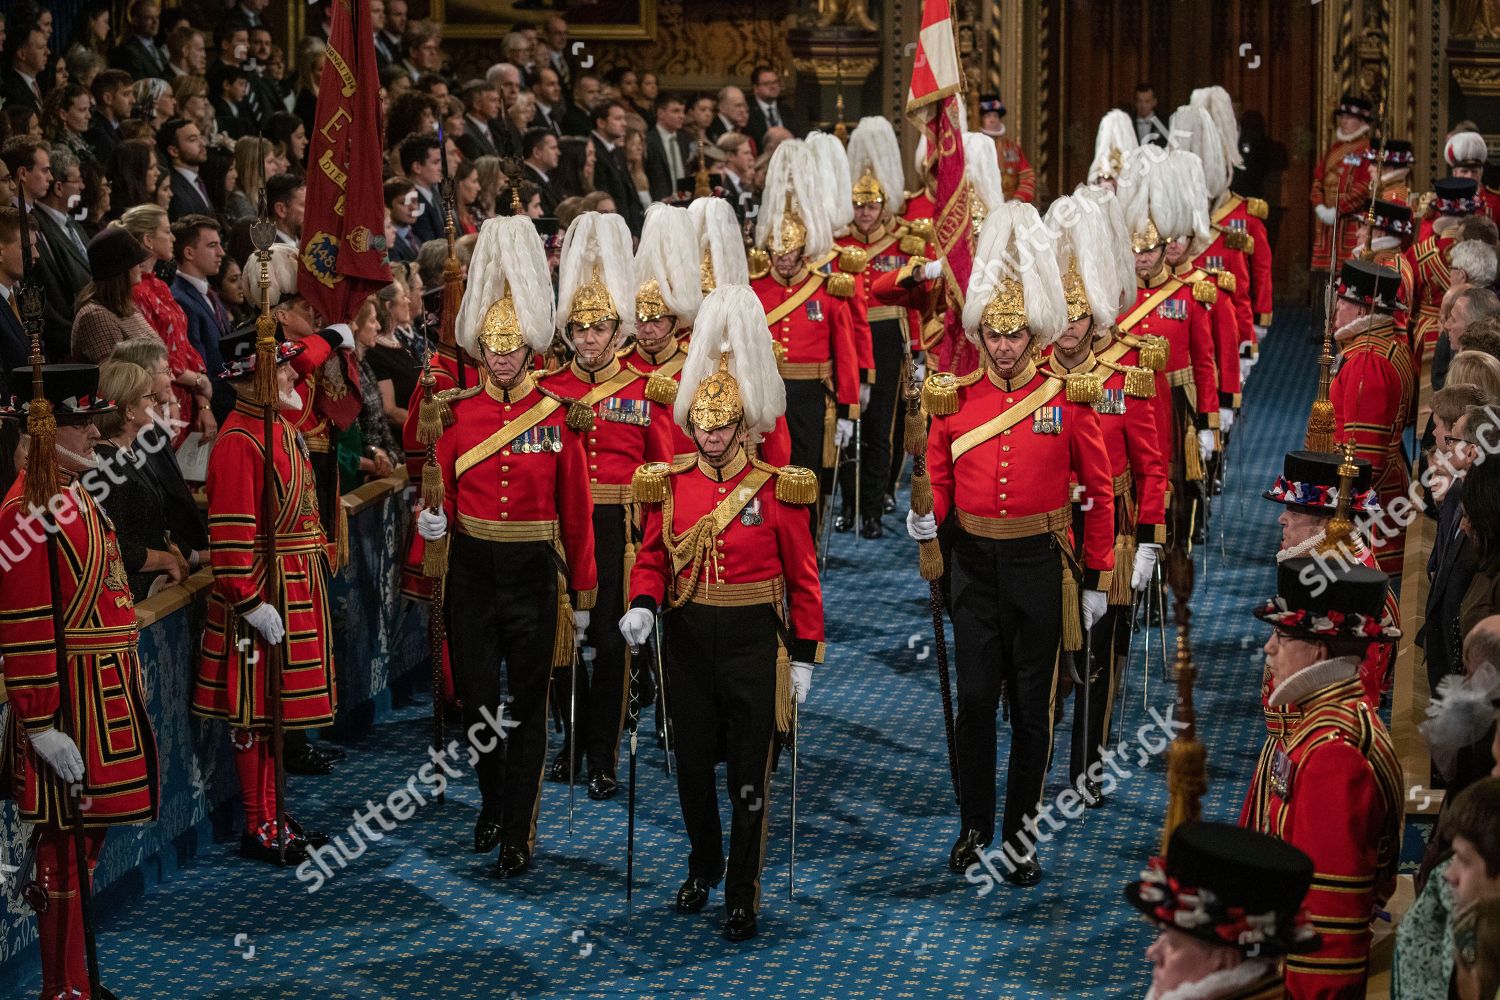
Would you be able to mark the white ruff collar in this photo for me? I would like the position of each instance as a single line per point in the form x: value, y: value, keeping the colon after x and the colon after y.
x: 1310, y: 678
x: 1217, y: 984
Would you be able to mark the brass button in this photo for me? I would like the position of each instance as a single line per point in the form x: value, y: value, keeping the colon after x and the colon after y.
x: 507, y: 407
x: 504, y: 515
x: 1005, y: 447
x: 505, y: 499
x: 504, y: 468
x: 1006, y: 433
x: 594, y: 468
x: 1003, y: 480
x: 593, y: 479
x: 1004, y: 465
x: 721, y: 489
x: 1003, y: 513
x: 1009, y: 399
x: 505, y: 482
x: 1004, y: 497
x: 719, y: 543
x: 506, y: 453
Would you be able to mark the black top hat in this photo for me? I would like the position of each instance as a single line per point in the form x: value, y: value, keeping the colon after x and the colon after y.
x: 238, y: 349
x: 1330, y: 599
x: 1455, y: 196
x: 1369, y: 283
x: 73, y: 391
x: 991, y: 102
x: 1393, y: 217
x: 1353, y: 104
x: 113, y: 252
x: 1232, y: 887
x: 1309, y: 481
x: 1398, y: 153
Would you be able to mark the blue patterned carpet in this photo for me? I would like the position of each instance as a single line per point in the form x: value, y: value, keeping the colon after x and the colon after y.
x: 876, y: 913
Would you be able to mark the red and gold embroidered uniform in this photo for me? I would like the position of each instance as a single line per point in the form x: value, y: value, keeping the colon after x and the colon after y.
x: 1016, y: 177
x: 1231, y: 274
x: 1223, y: 327
x: 1341, y: 180
x: 1430, y: 277
x: 414, y: 584
x: 665, y: 365
x: 1245, y: 218
x: 1396, y: 259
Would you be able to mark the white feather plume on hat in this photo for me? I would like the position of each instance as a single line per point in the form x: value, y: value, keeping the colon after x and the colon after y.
x: 1465, y: 147
x: 1189, y: 193
x: 603, y: 239
x: 1112, y: 143
x: 1083, y: 232
x: 1220, y: 107
x: 1193, y: 129
x: 733, y: 321
x: 1117, y: 233
x: 873, y: 146
x: 668, y: 253
x: 1015, y: 244
x: 719, y: 233
x: 833, y: 171
x: 283, y: 273
x: 507, y: 256
x: 982, y: 168
x: 793, y: 175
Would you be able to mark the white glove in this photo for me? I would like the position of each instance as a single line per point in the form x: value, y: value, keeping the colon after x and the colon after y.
x: 1145, y: 561
x: 1206, y: 444
x: 266, y: 620
x: 919, y: 369
x: 864, y: 395
x: 345, y: 334
x: 922, y: 527
x: 802, y: 680
x: 636, y: 627
x: 432, y: 524
x: 932, y: 269
x: 61, y: 754
x: 1260, y: 331
x: 843, y: 432
x: 580, y: 625
x: 1326, y: 214
x: 1246, y: 363
x: 1094, y: 606
x: 1226, y: 419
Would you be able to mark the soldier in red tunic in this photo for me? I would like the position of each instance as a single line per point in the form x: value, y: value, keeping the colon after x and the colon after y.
x: 1005, y: 449
x: 729, y: 565
x: 669, y: 289
x: 1384, y: 233
x: 1453, y: 199
x: 1341, y: 183
x: 1015, y: 170
x: 518, y: 516
x: 1228, y: 902
x: 1466, y: 154
x: 1101, y: 372
x: 1329, y: 782
x: 79, y: 743
x: 1372, y: 389
x: 251, y: 611
x: 596, y: 313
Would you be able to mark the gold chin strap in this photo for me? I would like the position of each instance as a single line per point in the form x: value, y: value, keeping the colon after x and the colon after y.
x: 500, y: 330
x: 591, y: 302
x: 1006, y: 310
x: 717, y: 402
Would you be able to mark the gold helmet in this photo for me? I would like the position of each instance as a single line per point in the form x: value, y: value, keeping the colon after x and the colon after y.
x: 716, y: 402
x: 500, y: 330
x: 1005, y: 312
x: 649, y: 303
x: 591, y: 302
x: 1147, y: 239
x: 867, y: 190
x: 791, y: 234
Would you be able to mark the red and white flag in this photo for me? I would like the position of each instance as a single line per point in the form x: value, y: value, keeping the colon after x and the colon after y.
x: 934, y: 102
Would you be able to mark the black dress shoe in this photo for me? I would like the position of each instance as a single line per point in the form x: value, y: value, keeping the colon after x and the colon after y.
x: 740, y: 926
x: 327, y: 751
x: 254, y: 850
x: 966, y: 850
x: 512, y: 862
x: 309, y: 762
x: 559, y: 770
x: 602, y: 785
x: 1093, y: 795
x: 888, y: 505
x: 486, y: 836
x: 306, y: 838
x: 693, y: 895
x: 871, y: 528
x: 1026, y: 874
x: 844, y: 521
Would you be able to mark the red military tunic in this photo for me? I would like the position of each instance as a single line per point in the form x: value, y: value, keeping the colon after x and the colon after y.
x: 815, y: 330
x: 1341, y: 181
x: 885, y: 300
x: 667, y: 364
x: 1016, y: 178
x: 763, y: 554
x: 508, y: 485
x: 1229, y: 270
x: 1329, y: 783
x: 1020, y: 478
x: 1223, y: 326
x: 1428, y: 259
x: 230, y: 686
x: 845, y: 260
x: 895, y: 287
x: 1246, y: 215
x: 1372, y: 400
x: 108, y: 710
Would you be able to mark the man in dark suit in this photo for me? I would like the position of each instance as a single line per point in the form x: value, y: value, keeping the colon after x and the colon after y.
x: 232, y: 104
x: 737, y: 171
x: 183, y: 147
x: 63, y: 273
x: 610, y: 174
x: 733, y: 114
x: 767, y: 109
x: 1451, y: 564
x: 547, y: 91
x: 233, y: 41
x: 481, y: 107
x: 541, y: 152
x: 199, y: 248
x: 421, y: 162
x: 15, y: 345
x: 387, y: 49
x: 137, y: 53
x: 668, y: 148
x: 20, y: 84
x: 114, y: 100
x: 585, y: 95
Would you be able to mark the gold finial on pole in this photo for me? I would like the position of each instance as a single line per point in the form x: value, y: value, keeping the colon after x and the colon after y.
x: 1340, y: 532
x: 1187, y: 760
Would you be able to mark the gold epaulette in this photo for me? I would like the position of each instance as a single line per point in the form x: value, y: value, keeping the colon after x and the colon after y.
x: 648, y: 484
x: 1257, y: 208
x: 840, y: 285
x: 794, y: 484
x: 661, y: 389
x: 940, y: 391
x: 580, y: 417
x: 1154, y: 352
x: 919, y: 233
x: 852, y: 259
x: 1140, y: 383
x: 435, y: 412
x: 1204, y: 291
x: 1226, y: 281
x: 1084, y: 387
x: 758, y: 261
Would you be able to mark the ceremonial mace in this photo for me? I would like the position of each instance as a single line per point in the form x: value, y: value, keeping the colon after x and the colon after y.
x: 42, y: 484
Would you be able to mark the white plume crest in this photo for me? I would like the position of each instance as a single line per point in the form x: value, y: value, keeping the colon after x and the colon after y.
x: 873, y: 146
x: 1193, y: 129
x: 1015, y: 244
x: 732, y: 320
x: 1083, y: 232
x: 605, y: 239
x: 982, y: 168
x: 1191, y: 191
x: 1220, y: 107
x: 719, y: 233
x: 508, y: 254
x: 833, y: 171
x: 1116, y: 135
x: 1118, y: 235
x: 283, y: 273
x: 668, y: 253
x: 793, y: 173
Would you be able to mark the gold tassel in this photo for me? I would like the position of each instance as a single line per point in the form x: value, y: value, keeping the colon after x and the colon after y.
x: 1120, y: 592
x: 840, y: 285
x: 785, y: 695
x: 1192, y: 462
x: 853, y: 260
x: 1084, y: 388
x: 41, y: 458
x: 916, y: 431
x: 794, y: 484
x: 1320, y: 427
x: 266, y: 391
x: 432, y: 486
x: 648, y: 484
x: 1204, y: 291
x: 1140, y: 383
x: 921, y: 494
x: 341, y: 527
x: 661, y: 389
x: 433, y: 417
x: 1072, y: 629
x: 562, y: 637
x: 1186, y: 763
x: 1155, y: 352
x: 830, y: 424
x: 759, y: 263
x: 930, y: 560
x: 435, y: 558
x: 580, y: 417
x: 940, y: 394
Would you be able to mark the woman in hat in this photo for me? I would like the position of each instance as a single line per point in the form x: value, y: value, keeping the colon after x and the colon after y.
x: 107, y: 313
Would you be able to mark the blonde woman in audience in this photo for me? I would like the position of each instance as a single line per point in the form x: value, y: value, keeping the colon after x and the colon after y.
x: 254, y: 164
x: 1476, y: 368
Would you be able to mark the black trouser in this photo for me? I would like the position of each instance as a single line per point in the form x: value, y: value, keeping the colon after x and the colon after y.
x: 502, y: 608
x: 1007, y: 628
x: 1109, y: 650
x: 878, y: 423
x: 806, y: 424
x: 721, y: 676
x: 1187, y: 499
x: 602, y: 688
